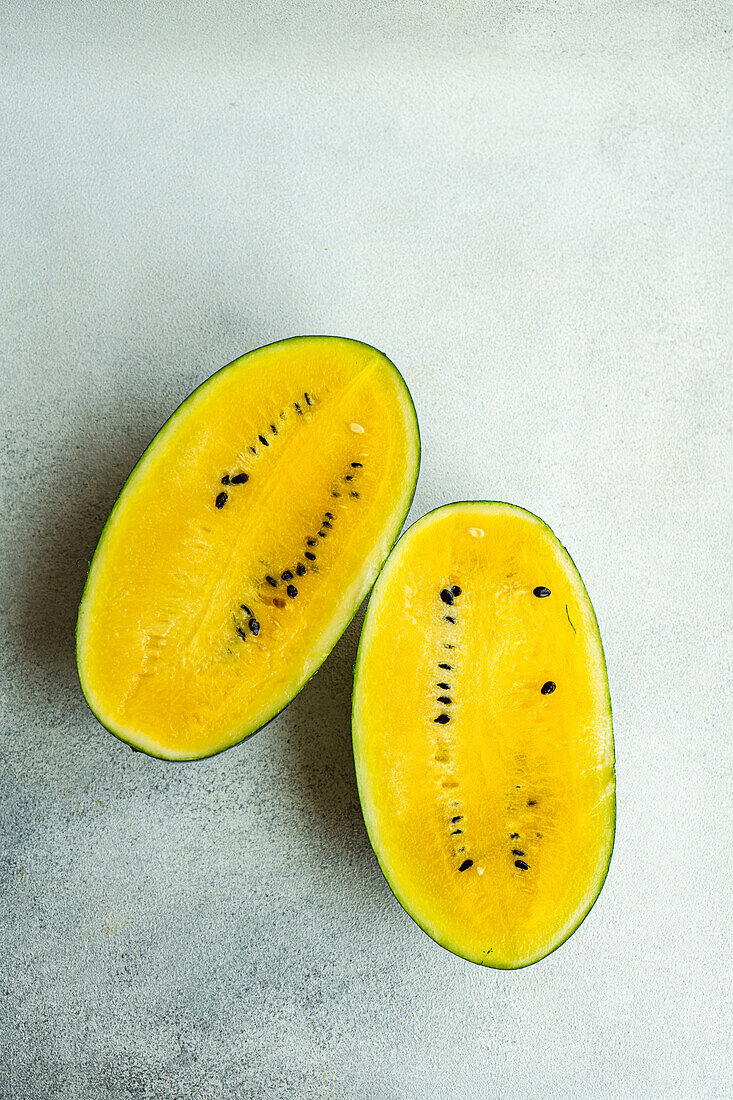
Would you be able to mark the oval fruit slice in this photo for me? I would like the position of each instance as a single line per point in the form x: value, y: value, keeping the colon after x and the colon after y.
x: 482, y: 734
x: 243, y: 542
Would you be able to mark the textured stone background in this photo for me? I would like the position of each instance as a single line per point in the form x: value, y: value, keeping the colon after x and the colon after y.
x: 527, y: 206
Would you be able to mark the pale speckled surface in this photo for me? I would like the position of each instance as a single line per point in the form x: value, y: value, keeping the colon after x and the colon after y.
x: 527, y: 207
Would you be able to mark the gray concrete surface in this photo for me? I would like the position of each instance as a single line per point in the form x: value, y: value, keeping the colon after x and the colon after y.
x: 527, y: 206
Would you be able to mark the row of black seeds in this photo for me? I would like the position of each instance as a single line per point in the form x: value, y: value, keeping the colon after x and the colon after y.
x: 448, y: 596
x: 242, y: 479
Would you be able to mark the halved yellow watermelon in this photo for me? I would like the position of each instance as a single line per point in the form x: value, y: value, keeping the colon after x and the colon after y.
x: 482, y: 734
x: 243, y: 542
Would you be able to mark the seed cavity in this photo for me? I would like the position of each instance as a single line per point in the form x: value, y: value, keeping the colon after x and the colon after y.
x: 292, y: 591
x: 548, y: 688
x: 242, y: 633
x: 245, y: 609
x: 273, y: 429
x: 466, y: 864
x: 357, y: 428
x: 476, y: 532
x: 278, y: 602
x: 354, y: 493
x: 447, y: 596
x: 221, y: 500
x: 540, y: 592
x: 254, y: 626
x: 442, y: 719
x: 521, y: 865
x: 240, y: 479
x: 532, y: 802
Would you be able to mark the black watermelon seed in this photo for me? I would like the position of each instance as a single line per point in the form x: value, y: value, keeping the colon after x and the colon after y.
x: 221, y: 500
x: 225, y: 479
x: 540, y: 591
x: 514, y: 836
x: 254, y: 626
x: 307, y: 399
x: 449, y: 618
x: 253, y: 450
x: 242, y: 633
x: 521, y: 865
x: 292, y: 591
x: 516, y: 852
x: 532, y: 802
x: 450, y: 667
x: 466, y: 864
x: 330, y: 515
x: 322, y: 534
x: 446, y: 596
x: 335, y: 494
x: 354, y: 493
x: 455, y: 590
x: 349, y: 477
x: 310, y: 557
x: 278, y: 602
x: 326, y: 523
x: 245, y: 609
x: 287, y: 575
x: 444, y: 699
x: 272, y: 581
x: 273, y: 429
x: 263, y: 440
x: 298, y: 408
x: 310, y: 542
x: 446, y: 645
x: 454, y: 819
x: 456, y: 832
x: 357, y: 465
x: 442, y: 718
x: 442, y: 685
x: 548, y: 688
x: 240, y: 479
x: 300, y: 569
